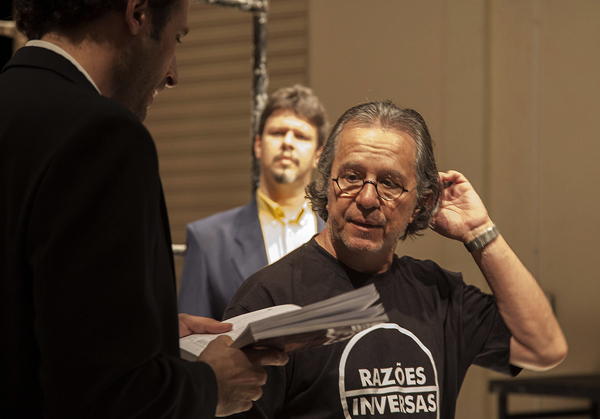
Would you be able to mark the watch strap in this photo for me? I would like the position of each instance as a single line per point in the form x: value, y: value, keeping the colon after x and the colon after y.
x: 483, y: 239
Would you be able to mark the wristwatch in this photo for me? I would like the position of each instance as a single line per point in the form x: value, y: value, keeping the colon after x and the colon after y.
x: 483, y: 239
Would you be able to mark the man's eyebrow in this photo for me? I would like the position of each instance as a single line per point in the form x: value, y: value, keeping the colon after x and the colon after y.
x: 351, y: 166
x: 287, y: 127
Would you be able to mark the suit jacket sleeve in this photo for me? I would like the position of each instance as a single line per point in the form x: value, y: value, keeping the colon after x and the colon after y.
x: 106, y: 320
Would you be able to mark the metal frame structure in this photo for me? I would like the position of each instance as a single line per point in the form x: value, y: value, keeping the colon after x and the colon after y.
x: 260, y: 82
x: 7, y: 28
x: 260, y: 78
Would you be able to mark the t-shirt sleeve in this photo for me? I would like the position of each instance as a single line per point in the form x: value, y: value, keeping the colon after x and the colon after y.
x: 254, y: 294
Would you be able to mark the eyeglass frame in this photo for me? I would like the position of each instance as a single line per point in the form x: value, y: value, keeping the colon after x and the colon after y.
x: 374, y: 183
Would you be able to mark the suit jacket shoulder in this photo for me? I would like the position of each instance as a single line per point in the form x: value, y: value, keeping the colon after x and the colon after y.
x: 222, y: 251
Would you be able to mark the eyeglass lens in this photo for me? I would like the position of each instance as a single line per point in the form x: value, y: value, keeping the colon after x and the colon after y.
x: 351, y: 183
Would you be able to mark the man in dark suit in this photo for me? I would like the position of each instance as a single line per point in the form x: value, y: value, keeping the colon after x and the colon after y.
x: 225, y: 248
x: 87, y: 295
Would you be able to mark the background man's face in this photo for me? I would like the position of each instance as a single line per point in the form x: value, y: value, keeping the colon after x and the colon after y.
x: 287, y: 149
x: 366, y: 223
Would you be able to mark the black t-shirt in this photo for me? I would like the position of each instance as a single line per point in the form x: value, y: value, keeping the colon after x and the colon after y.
x: 412, y: 366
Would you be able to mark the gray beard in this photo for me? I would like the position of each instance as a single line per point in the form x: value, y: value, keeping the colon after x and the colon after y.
x: 347, y: 244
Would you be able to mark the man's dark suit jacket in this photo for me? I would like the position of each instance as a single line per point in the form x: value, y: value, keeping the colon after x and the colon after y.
x: 222, y: 251
x: 87, y: 293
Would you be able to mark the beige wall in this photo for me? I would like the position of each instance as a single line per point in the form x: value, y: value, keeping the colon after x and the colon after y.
x: 511, y: 92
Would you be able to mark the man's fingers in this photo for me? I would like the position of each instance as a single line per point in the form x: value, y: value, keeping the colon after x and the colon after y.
x: 223, y: 340
x: 194, y: 324
x: 215, y: 326
x: 240, y: 374
x: 258, y: 394
x: 236, y: 407
x: 267, y: 356
x: 239, y: 400
x: 207, y: 325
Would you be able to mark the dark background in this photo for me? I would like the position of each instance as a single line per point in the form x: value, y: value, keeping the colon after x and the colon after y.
x: 5, y: 43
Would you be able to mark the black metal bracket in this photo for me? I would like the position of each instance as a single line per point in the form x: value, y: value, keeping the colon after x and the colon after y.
x: 260, y: 82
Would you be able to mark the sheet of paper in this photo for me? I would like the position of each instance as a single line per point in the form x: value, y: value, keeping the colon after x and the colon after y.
x: 195, y: 344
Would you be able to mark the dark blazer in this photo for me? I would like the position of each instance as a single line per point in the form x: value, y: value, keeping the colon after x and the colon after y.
x: 87, y: 293
x: 222, y: 251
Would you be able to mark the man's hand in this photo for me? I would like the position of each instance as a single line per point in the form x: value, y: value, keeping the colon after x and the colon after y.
x: 194, y: 324
x: 461, y: 215
x: 240, y: 374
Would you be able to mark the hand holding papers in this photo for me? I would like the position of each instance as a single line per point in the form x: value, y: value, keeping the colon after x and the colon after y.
x: 291, y: 328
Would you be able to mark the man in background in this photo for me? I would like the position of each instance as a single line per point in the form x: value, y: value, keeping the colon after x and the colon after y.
x: 225, y: 248
x: 88, y: 313
x: 379, y: 183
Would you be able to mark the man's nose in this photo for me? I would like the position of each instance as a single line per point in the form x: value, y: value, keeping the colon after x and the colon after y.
x: 368, y: 196
x: 172, y: 75
x: 288, y: 139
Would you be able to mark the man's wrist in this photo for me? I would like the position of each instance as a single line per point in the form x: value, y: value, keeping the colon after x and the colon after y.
x: 483, y: 239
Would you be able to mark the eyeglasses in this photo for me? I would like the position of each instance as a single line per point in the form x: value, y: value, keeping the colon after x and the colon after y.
x: 351, y: 183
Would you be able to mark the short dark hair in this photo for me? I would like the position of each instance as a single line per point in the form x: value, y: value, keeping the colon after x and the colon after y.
x: 302, y: 101
x: 35, y: 18
x: 385, y: 115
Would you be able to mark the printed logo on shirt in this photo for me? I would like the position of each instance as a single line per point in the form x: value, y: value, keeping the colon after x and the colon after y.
x: 387, y: 372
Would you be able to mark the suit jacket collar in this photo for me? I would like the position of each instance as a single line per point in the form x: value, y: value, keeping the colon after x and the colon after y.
x: 250, y: 254
x: 49, y: 60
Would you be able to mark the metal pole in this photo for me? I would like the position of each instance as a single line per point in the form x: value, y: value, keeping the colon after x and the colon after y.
x: 260, y: 85
x: 7, y: 28
x: 260, y: 81
x: 260, y: 78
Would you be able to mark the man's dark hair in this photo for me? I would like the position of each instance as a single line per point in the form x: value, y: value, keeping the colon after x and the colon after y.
x: 387, y: 116
x: 35, y: 18
x: 302, y: 101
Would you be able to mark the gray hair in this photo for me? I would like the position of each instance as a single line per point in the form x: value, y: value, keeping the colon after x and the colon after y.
x: 385, y: 115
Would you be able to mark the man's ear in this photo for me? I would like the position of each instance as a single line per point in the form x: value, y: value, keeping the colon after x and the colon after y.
x: 317, y: 157
x: 426, y: 203
x: 137, y: 15
x: 416, y: 212
x: 257, y: 149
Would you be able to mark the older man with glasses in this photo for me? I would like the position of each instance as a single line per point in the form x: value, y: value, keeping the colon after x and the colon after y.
x: 379, y: 184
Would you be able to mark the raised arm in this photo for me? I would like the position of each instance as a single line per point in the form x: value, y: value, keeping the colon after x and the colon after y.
x: 537, y: 341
